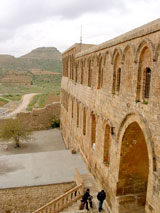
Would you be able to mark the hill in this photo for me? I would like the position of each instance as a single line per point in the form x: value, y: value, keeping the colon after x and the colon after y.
x: 38, y: 71
x: 43, y: 58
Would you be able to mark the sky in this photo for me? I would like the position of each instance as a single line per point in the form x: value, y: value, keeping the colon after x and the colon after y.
x: 28, y: 24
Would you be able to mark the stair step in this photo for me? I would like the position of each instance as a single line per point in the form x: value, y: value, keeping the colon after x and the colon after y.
x: 89, y: 182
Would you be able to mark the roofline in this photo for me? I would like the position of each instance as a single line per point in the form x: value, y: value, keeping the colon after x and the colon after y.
x: 148, y: 28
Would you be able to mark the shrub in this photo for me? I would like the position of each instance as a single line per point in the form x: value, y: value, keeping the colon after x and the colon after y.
x: 55, y: 124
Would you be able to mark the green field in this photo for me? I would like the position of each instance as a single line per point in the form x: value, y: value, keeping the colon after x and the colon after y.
x: 21, y: 71
x: 3, y: 102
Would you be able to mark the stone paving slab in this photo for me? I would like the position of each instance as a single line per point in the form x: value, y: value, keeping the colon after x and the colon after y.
x: 41, y: 168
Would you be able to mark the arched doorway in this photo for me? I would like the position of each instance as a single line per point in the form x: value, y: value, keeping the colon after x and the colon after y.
x: 133, y: 171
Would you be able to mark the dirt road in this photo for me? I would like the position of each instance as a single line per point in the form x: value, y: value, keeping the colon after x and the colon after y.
x: 25, y: 101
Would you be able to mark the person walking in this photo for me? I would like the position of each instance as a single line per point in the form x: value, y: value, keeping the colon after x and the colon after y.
x: 101, y: 197
x: 85, y: 198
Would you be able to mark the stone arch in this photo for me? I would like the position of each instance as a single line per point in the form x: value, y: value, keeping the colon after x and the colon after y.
x: 135, y: 162
x: 107, y: 143
x: 145, y: 63
x: 77, y: 113
x: 94, y: 59
x: 71, y: 67
x: 108, y: 52
x: 116, y: 50
x: 84, y: 62
x: 157, y: 52
x: 100, y: 73
x: 82, y: 71
x: 76, y: 72
x: 134, y: 117
x: 93, y: 130
x: 89, y: 71
x: 72, y: 99
x: 128, y: 70
x: 144, y: 43
x: 84, y: 121
x: 131, y: 47
x: 116, y: 73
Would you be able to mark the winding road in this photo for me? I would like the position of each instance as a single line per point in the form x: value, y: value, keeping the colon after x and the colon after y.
x: 25, y: 101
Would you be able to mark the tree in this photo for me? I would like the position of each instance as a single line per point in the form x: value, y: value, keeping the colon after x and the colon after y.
x: 14, y: 130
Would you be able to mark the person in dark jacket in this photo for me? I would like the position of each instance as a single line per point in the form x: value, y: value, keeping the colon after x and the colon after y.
x: 101, y: 197
x: 85, y: 198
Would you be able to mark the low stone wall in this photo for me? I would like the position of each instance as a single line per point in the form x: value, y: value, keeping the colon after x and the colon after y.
x: 28, y: 199
x: 38, y: 119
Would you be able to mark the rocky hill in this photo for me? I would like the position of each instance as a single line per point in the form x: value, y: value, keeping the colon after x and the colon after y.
x: 43, y: 58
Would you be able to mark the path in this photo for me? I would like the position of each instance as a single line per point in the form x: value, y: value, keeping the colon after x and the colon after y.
x: 25, y: 101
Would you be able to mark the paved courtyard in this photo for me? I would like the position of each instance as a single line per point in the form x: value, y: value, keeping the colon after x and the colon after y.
x: 44, y: 160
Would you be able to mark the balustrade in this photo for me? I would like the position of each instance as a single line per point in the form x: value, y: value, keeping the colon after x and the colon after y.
x: 62, y: 201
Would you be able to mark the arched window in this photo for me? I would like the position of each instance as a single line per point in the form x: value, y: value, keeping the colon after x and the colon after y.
x: 144, y: 75
x: 93, y: 130
x: 118, y: 79
x: 116, y: 75
x: 89, y: 74
x: 77, y: 114
x: 67, y: 67
x: 81, y: 73
x: 84, y: 121
x: 147, y: 79
x: 100, y: 74
x: 72, y: 107
x: 106, y: 144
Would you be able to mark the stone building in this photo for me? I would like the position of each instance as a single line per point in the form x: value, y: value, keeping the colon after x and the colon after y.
x: 110, y: 112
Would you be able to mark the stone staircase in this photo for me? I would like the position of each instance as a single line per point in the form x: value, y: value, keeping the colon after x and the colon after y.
x: 88, y: 182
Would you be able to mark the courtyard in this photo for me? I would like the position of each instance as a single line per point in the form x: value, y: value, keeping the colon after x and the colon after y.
x: 41, y: 161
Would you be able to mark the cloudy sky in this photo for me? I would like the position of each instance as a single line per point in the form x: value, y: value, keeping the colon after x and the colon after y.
x: 28, y: 24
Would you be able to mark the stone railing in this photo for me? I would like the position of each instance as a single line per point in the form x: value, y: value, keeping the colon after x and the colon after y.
x: 62, y: 201
x: 66, y: 199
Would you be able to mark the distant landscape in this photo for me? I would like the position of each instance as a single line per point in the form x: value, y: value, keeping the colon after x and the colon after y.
x: 36, y: 72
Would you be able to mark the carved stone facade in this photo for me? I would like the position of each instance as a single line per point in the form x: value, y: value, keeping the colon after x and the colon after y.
x: 110, y: 112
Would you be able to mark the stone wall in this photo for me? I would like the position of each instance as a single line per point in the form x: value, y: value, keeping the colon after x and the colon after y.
x: 28, y: 199
x: 110, y: 112
x: 38, y: 119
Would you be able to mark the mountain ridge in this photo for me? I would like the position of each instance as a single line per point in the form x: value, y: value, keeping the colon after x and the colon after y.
x: 43, y: 58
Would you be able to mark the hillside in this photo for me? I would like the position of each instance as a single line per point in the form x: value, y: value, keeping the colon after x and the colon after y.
x: 43, y: 58
x: 38, y: 71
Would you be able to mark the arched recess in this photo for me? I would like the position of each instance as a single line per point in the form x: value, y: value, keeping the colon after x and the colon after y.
x: 72, y: 106
x: 136, y: 163
x: 106, y: 144
x: 84, y: 121
x: 143, y: 43
x: 93, y: 130
x: 76, y: 74
x: 116, y: 74
x: 128, y: 66
x: 100, y: 73
x: 89, y: 73
x: 106, y: 54
x: 94, y: 71
x: 144, y: 74
x: 156, y: 90
x: 115, y: 53
x: 82, y: 68
x: 77, y: 114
